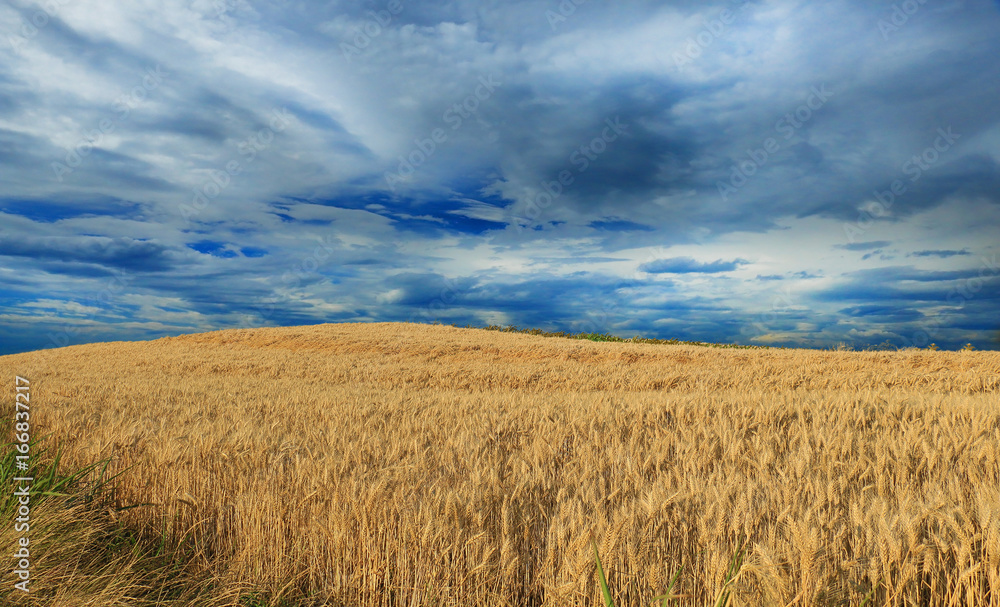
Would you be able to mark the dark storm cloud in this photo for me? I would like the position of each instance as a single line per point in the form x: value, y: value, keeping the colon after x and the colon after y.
x: 122, y: 253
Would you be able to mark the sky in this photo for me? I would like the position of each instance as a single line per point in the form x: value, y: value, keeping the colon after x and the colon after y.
x: 781, y: 173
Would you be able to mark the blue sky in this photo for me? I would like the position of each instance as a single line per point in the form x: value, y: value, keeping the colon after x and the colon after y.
x: 766, y: 172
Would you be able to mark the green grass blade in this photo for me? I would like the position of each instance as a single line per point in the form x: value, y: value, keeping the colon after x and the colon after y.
x: 608, y: 602
x: 669, y: 595
x: 735, y: 564
x: 871, y: 592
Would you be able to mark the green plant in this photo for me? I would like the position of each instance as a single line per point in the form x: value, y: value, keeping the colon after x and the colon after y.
x: 871, y: 593
x: 735, y: 565
x: 885, y: 346
x: 256, y: 599
x: 47, y: 482
x: 116, y: 556
x: 723, y: 599
x: 599, y: 337
x: 607, y: 337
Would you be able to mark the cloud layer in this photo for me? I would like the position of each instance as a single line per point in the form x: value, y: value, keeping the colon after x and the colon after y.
x: 759, y: 172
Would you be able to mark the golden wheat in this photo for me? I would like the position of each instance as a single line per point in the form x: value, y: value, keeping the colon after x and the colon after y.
x: 400, y: 464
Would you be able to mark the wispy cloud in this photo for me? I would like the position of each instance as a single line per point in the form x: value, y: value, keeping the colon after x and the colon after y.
x: 687, y: 265
x: 863, y: 246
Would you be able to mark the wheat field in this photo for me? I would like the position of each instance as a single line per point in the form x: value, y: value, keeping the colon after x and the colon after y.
x: 390, y: 464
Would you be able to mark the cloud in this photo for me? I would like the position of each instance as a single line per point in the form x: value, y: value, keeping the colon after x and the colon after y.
x: 233, y: 164
x: 938, y: 253
x: 211, y: 247
x: 121, y: 253
x: 863, y: 246
x: 687, y: 265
